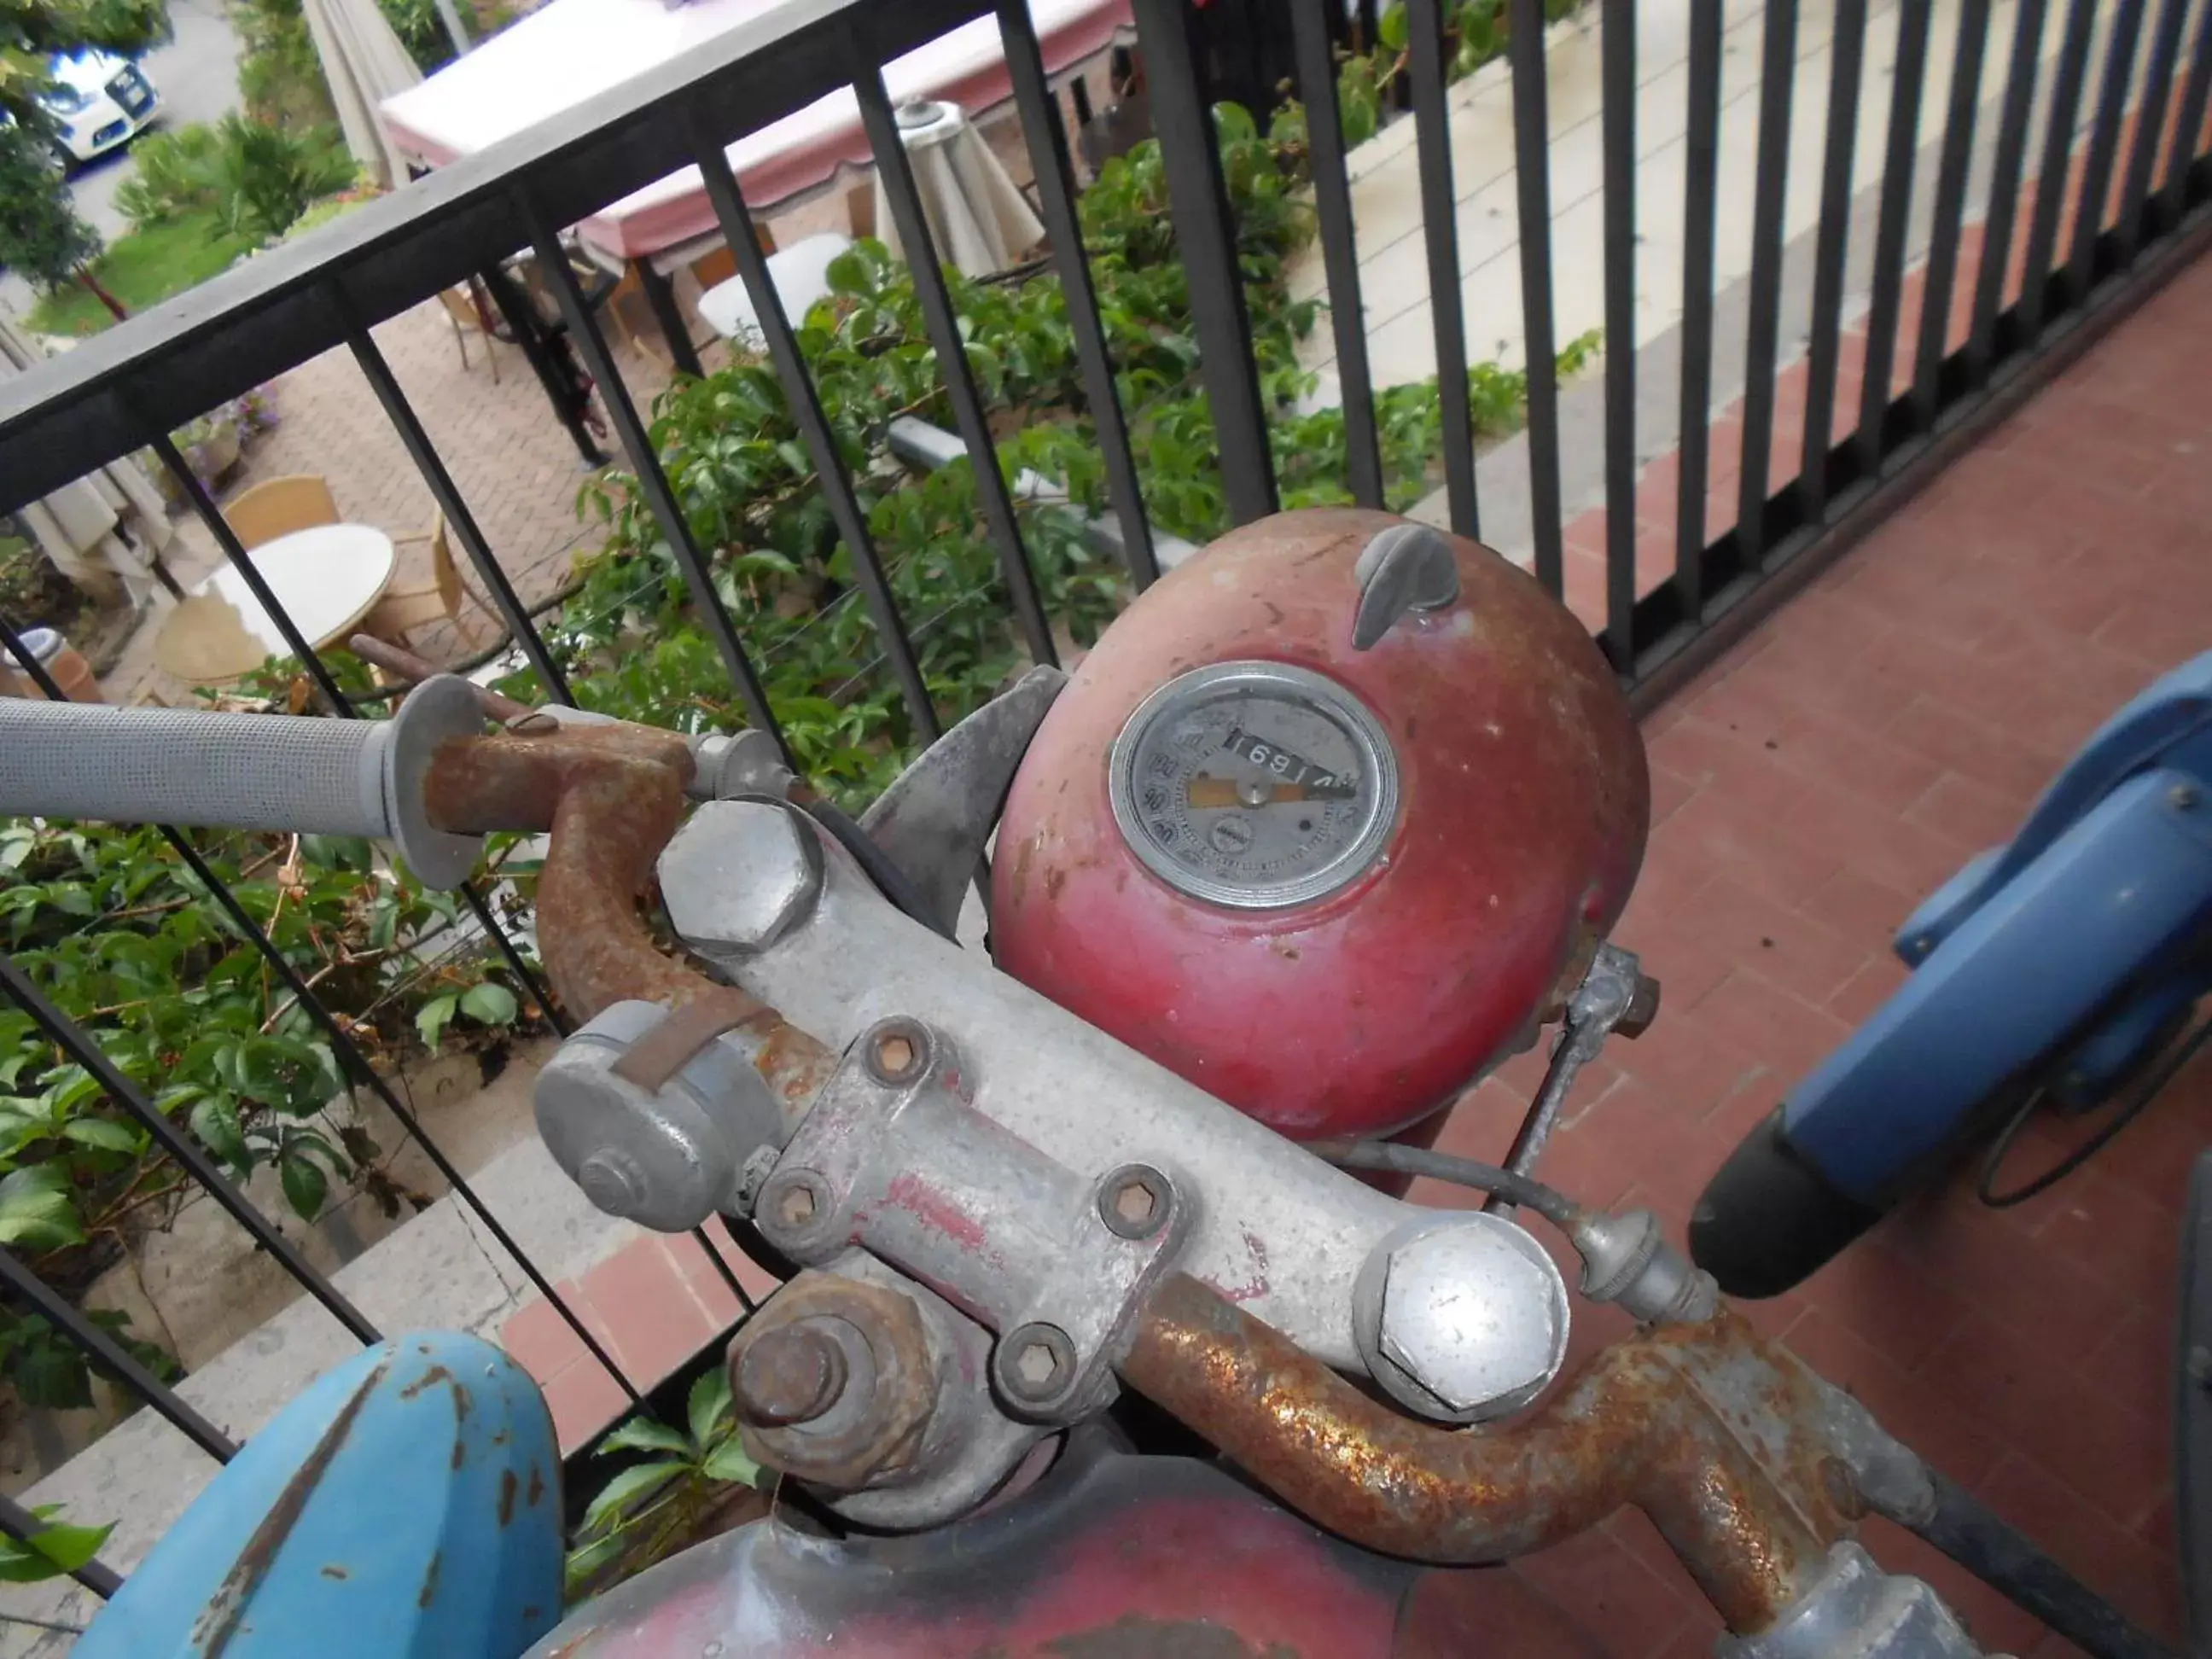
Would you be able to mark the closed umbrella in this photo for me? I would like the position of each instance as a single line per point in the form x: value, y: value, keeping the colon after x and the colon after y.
x: 364, y: 63
x: 105, y: 531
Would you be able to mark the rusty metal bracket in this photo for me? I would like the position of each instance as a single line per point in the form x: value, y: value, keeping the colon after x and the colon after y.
x: 894, y: 1159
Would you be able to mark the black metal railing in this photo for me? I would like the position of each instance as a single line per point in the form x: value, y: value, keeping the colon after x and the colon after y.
x: 125, y: 390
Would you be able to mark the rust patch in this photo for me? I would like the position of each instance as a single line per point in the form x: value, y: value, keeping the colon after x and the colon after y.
x: 333, y: 1570
x: 219, y: 1622
x: 507, y: 1487
x: 537, y: 1488
x: 464, y: 1402
x: 429, y: 1379
x: 1055, y: 879
x: 429, y: 1591
x: 1634, y: 1427
x: 460, y: 1451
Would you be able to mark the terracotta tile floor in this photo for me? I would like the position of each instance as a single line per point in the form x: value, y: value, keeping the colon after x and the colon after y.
x: 1892, y: 719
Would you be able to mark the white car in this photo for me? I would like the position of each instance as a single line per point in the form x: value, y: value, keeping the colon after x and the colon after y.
x: 98, y: 101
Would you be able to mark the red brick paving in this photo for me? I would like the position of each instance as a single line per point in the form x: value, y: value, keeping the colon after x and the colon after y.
x: 1890, y: 721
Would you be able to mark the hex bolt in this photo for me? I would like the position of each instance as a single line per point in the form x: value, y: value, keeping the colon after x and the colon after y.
x: 1035, y: 1362
x: 897, y: 1051
x: 1134, y: 1201
x: 792, y: 1374
x: 2184, y: 796
x: 611, y: 1180
x: 793, y: 1202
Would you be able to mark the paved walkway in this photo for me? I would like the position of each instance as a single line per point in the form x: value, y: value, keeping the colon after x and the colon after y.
x: 510, y: 458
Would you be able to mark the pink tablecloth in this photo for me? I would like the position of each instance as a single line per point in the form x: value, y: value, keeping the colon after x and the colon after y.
x: 571, y: 50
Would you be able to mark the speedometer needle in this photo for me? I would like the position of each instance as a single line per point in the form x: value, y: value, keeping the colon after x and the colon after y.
x: 1205, y: 790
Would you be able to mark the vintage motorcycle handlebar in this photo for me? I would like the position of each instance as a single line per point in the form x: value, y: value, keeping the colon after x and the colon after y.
x: 1754, y: 1469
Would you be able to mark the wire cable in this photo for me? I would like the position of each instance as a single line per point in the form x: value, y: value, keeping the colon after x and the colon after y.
x: 1549, y: 1202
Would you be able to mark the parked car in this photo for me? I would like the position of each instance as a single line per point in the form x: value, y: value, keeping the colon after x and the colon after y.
x: 98, y: 101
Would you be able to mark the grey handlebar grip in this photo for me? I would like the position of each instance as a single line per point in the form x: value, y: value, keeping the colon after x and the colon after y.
x: 266, y: 772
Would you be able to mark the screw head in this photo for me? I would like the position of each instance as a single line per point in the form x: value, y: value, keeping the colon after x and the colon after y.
x: 897, y: 1051
x: 1035, y: 1364
x: 1134, y: 1201
x: 793, y: 1203
x: 2184, y: 796
x: 792, y: 1374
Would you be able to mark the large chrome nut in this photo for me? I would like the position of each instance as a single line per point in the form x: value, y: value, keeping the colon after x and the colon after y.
x: 1461, y: 1317
x: 738, y: 876
x: 865, y: 1423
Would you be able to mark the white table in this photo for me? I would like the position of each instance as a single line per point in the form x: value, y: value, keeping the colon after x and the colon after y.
x: 327, y: 578
x: 801, y: 275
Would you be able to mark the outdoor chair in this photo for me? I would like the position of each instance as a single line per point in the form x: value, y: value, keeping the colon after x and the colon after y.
x: 443, y: 598
x: 465, y: 311
x: 277, y: 507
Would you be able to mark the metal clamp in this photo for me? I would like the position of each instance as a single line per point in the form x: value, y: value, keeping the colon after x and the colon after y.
x: 893, y: 1159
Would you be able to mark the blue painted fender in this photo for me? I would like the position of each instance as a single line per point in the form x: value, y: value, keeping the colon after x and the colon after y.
x: 408, y: 1504
x: 2113, y: 898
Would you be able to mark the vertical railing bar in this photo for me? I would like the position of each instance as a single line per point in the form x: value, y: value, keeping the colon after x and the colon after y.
x: 1532, y: 166
x: 19, y: 1524
x: 357, y: 1065
x: 1054, y: 171
x: 523, y: 325
x: 1424, y: 44
x: 1198, y: 201
x: 2173, y: 191
x: 652, y: 480
x: 2104, y: 148
x: 1776, y: 85
x: 805, y: 403
x: 2005, y: 176
x: 2151, y: 125
x: 2051, y: 184
x: 895, y: 173
x: 1340, y: 245
x: 728, y: 1273
x: 234, y: 550
x: 88, y: 1053
x: 1617, y: 137
x: 1695, y: 436
x: 1845, y: 77
x: 458, y: 518
x: 1893, y: 220
x: 1942, y: 271
x: 115, y: 1357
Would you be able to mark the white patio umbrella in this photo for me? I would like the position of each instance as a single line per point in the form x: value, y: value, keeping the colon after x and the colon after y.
x: 105, y: 531
x: 364, y: 63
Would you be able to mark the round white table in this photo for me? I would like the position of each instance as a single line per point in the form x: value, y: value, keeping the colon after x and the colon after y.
x: 327, y: 578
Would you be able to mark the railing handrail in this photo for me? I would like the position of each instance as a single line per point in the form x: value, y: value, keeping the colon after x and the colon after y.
x: 163, y: 366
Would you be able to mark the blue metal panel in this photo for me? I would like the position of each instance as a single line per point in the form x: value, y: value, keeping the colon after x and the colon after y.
x: 2169, y: 724
x: 2107, y: 901
x: 408, y: 1504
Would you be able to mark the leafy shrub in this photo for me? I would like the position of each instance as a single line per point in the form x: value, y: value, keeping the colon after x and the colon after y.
x: 254, y: 178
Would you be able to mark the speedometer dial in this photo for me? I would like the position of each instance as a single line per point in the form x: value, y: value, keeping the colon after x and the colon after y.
x: 1254, y: 785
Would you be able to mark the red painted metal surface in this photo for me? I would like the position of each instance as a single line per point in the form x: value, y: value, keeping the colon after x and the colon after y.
x: 1111, y: 1557
x: 1523, y: 805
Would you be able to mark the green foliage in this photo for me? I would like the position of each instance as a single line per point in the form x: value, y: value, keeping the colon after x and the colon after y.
x: 40, y: 235
x: 116, y: 929
x: 648, y: 1508
x: 279, y: 75
x: 253, y: 178
x: 747, y: 486
x: 142, y: 268
x: 54, y: 1551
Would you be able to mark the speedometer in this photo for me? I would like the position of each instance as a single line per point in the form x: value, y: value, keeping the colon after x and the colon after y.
x: 1254, y: 785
